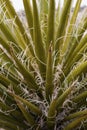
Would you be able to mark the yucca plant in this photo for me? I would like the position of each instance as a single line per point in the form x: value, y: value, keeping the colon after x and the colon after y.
x: 43, y: 65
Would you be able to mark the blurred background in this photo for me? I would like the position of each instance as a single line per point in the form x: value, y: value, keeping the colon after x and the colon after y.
x: 19, y: 5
